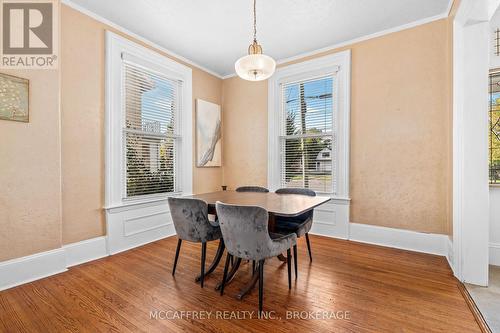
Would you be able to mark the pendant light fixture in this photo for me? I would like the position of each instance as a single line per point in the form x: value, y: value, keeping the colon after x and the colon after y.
x: 255, y: 66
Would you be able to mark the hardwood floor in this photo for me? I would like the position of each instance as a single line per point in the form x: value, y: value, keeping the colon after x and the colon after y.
x: 377, y: 289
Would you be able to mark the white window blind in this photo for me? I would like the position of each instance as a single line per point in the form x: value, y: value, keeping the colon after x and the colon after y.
x: 151, y: 131
x: 307, y: 140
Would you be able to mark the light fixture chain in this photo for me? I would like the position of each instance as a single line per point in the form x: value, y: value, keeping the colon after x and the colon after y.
x: 254, y: 21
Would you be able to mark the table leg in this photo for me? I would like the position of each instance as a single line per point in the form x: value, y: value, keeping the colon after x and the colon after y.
x: 281, y: 257
x: 249, y: 286
x: 215, y: 262
x: 271, y: 222
x: 231, y: 273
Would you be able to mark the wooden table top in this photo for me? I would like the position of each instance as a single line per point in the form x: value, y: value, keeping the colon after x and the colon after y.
x: 277, y: 204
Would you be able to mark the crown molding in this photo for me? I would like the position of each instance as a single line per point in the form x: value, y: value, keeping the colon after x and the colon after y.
x: 450, y: 6
x: 113, y: 25
x: 282, y: 61
x: 360, y: 39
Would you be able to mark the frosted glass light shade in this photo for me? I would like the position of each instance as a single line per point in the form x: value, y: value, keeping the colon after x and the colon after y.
x: 255, y: 67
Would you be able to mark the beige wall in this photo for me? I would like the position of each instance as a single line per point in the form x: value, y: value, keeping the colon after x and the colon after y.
x: 52, y: 175
x: 209, y: 88
x: 245, y: 132
x: 83, y: 125
x: 30, y: 186
x: 400, y: 130
x: 82, y: 105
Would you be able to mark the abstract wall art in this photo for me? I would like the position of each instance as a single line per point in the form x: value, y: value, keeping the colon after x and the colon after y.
x: 208, y: 134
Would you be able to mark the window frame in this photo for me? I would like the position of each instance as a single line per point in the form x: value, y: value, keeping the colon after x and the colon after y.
x: 333, y: 133
x: 495, y: 72
x: 339, y: 66
x: 119, y: 49
x: 177, y: 136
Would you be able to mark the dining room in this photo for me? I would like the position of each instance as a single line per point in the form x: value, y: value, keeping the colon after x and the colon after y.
x: 247, y: 166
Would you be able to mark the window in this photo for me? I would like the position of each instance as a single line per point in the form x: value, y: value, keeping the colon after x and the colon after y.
x: 151, y: 131
x: 148, y: 125
x: 308, y: 135
x: 494, y: 133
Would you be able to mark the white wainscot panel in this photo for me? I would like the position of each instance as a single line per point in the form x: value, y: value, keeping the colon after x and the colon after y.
x: 135, y: 225
x: 332, y: 219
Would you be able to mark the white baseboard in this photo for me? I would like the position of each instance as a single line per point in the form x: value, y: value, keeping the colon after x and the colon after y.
x: 495, y: 254
x: 450, y: 255
x: 30, y: 268
x: 22, y: 270
x: 19, y: 271
x: 84, y: 251
x: 399, y: 238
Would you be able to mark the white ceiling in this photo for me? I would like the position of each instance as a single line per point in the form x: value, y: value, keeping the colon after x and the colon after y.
x: 215, y: 33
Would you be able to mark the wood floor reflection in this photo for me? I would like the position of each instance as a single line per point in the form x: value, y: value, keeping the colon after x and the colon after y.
x: 374, y: 289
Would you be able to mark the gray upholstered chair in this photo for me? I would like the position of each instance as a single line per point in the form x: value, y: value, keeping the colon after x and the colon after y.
x: 190, y: 217
x: 252, y: 189
x: 300, y: 225
x: 246, y: 236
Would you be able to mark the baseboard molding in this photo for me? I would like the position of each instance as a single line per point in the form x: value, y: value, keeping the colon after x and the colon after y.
x: 450, y: 255
x: 324, y: 229
x: 84, y: 251
x: 495, y: 254
x: 30, y: 268
x: 37, y: 266
x: 19, y: 271
x: 399, y: 239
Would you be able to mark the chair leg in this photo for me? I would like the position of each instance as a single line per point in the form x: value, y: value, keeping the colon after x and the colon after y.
x: 203, y: 257
x: 261, y: 284
x: 179, y: 242
x: 253, y: 267
x: 224, y: 276
x: 289, y: 266
x: 295, y: 260
x: 309, y: 247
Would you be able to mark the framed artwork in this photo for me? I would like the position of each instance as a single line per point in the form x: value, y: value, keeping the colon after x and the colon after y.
x: 208, y: 134
x: 14, y: 98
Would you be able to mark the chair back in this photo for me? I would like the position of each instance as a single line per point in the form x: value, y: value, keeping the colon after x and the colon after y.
x: 244, y: 229
x: 252, y: 189
x: 190, y: 217
x: 301, y: 191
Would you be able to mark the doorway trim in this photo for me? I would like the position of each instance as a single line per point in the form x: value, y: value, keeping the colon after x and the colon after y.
x: 470, y: 147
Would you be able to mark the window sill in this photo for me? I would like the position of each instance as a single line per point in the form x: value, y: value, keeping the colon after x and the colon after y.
x: 335, y: 199
x: 129, y: 204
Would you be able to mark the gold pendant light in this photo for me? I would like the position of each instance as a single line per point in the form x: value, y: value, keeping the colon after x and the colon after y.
x: 255, y: 66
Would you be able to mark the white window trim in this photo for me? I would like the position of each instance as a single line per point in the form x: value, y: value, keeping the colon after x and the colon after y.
x: 116, y: 46
x: 339, y: 63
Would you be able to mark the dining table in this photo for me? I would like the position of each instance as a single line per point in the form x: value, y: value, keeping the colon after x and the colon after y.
x: 286, y: 205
